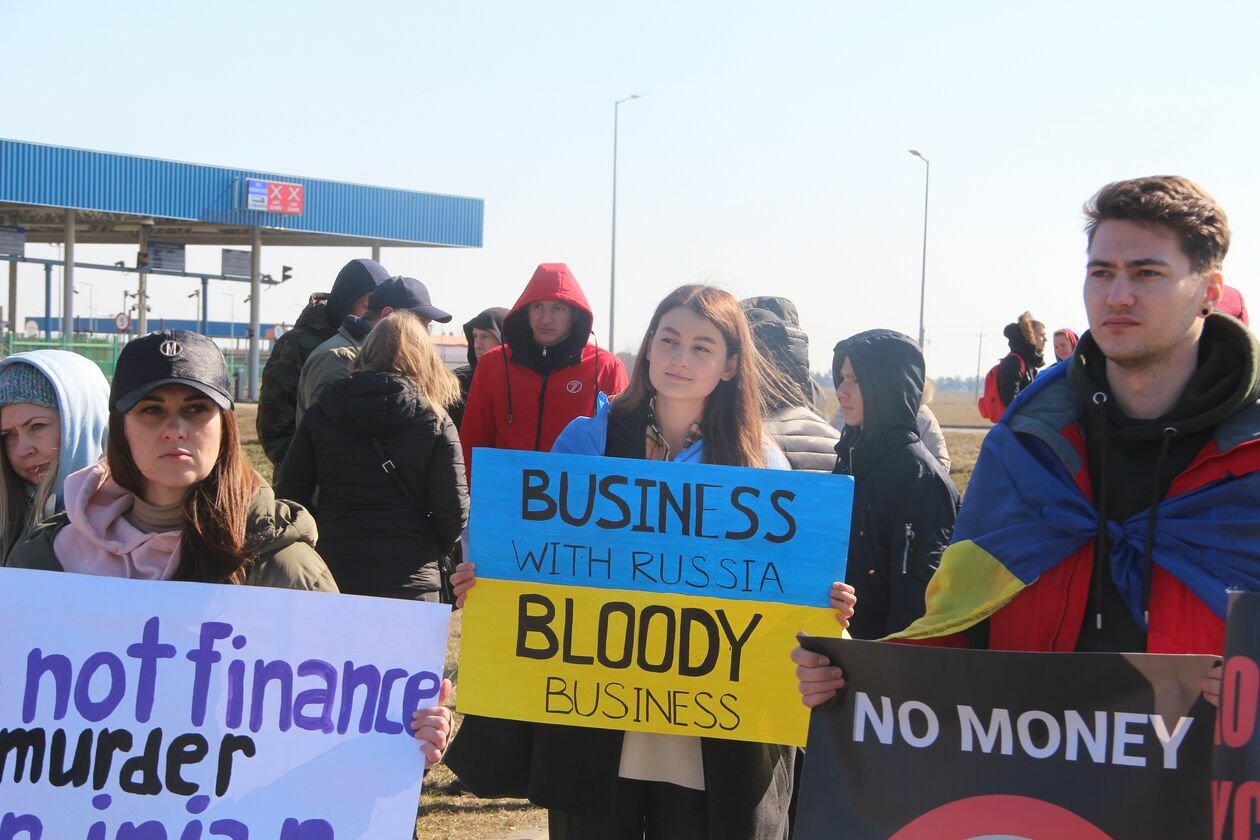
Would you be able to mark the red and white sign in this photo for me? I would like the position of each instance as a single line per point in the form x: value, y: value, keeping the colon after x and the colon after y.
x: 122, y: 322
x: 284, y: 198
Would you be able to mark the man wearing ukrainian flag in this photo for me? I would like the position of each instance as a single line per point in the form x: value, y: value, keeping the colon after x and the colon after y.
x: 1118, y: 499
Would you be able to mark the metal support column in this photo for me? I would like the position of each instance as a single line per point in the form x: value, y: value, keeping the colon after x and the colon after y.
x: 142, y: 289
x: 13, y: 297
x: 376, y: 253
x: 205, y: 304
x: 255, y: 312
x: 67, y: 276
x: 48, y: 301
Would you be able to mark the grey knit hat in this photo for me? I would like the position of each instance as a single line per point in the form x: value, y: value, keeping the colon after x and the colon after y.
x: 23, y: 383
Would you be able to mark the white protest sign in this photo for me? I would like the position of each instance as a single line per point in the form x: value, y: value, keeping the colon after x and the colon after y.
x: 154, y: 710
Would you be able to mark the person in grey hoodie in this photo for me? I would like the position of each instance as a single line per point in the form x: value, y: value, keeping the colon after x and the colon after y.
x: 54, y: 409
x: 805, y: 437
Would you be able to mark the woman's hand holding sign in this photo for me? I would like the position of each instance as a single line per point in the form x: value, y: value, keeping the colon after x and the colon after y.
x: 432, y: 727
x: 843, y: 599
x: 462, y: 580
x: 816, y: 678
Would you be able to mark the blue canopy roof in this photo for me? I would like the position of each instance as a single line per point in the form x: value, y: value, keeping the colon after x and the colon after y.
x: 207, y: 205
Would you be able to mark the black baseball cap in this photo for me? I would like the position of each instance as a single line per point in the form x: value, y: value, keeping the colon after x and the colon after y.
x: 169, y: 357
x: 406, y: 293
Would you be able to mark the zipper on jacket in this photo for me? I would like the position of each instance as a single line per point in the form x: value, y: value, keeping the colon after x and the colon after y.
x: 542, y: 401
x: 905, y: 554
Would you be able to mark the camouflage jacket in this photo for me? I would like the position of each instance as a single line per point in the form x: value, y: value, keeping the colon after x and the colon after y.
x: 277, y: 396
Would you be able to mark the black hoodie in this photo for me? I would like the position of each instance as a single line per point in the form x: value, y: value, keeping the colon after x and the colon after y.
x: 904, y: 503
x: 490, y: 320
x: 1013, y: 376
x: 1132, y: 463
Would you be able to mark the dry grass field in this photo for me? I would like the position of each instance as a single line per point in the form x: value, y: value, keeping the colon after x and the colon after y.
x: 953, y: 408
x: 448, y: 815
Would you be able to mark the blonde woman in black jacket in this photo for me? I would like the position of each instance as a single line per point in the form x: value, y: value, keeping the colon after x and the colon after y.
x: 384, y: 456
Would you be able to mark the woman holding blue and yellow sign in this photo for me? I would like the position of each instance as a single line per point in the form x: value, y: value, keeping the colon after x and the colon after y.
x: 695, y: 399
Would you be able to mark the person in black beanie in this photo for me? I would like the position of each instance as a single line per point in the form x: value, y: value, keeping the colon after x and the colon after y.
x: 319, y: 321
x: 483, y: 333
x: 331, y: 360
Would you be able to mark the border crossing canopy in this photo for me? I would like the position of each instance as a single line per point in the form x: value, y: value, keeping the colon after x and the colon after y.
x: 70, y: 197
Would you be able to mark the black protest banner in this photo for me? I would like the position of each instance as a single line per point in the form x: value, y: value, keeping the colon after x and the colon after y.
x: 1236, y: 758
x: 936, y: 743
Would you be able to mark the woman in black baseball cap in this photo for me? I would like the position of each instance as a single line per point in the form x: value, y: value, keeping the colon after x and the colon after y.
x: 175, y: 499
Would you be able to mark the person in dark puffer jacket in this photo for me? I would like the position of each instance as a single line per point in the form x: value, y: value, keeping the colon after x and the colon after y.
x: 808, y: 441
x: 377, y: 538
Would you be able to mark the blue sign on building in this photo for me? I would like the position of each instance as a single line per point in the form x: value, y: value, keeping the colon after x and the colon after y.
x: 255, y: 194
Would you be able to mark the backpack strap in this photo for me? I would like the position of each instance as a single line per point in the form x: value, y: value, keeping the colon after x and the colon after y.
x: 446, y: 564
x: 392, y: 471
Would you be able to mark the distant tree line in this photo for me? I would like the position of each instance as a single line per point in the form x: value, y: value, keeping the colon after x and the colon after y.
x: 960, y: 384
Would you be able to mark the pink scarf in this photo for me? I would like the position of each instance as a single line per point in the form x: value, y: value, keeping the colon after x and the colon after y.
x: 100, y: 541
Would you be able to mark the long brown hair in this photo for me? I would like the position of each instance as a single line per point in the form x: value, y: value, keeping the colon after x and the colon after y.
x: 213, y: 544
x: 400, y: 344
x: 731, y: 420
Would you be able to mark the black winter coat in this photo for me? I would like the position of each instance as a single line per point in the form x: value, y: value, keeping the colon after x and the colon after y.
x: 904, y: 503
x: 373, y: 539
x: 1013, y: 377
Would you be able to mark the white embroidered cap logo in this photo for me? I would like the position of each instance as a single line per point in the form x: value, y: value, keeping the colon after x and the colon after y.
x: 574, y: 386
x: 170, y: 348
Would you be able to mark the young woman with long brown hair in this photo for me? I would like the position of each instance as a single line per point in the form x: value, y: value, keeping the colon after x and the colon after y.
x: 694, y: 397
x: 384, y: 531
x: 175, y: 499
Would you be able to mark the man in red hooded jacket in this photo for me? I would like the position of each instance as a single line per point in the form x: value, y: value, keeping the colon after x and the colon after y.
x: 544, y: 374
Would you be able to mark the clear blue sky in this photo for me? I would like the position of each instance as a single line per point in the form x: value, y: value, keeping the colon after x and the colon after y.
x: 768, y: 154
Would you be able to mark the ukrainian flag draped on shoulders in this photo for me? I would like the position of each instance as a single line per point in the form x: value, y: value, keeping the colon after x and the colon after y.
x: 1025, y: 513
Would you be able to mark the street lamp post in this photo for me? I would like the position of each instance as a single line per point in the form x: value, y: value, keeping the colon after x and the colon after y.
x: 91, y: 303
x: 612, y: 276
x: 927, y: 178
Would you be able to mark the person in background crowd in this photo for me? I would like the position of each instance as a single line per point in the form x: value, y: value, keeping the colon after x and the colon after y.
x: 1084, y: 525
x: 904, y: 503
x: 930, y: 433
x: 54, y: 411
x: 807, y: 440
x: 694, y: 398
x: 174, y: 497
x: 786, y: 310
x: 483, y: 333
x: 1017, y: 370
x: 331, y: 360
x: 319, y: 321
x: 1232, y: 303
x: 384, y: 531
x: 545, y: 373
x: 1064, y: 343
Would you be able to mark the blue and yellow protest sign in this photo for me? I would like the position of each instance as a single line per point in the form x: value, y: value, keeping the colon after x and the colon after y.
x: 162, y: 709
x: 648, y: 596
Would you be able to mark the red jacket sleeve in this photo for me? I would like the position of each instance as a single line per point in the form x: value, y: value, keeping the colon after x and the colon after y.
x: 478, y: 428
x: 612, y: 376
